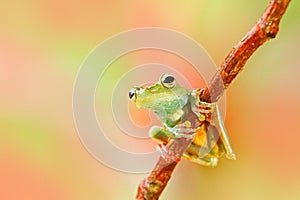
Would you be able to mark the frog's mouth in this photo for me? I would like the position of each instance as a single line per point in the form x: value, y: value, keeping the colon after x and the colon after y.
x: 141, y: 101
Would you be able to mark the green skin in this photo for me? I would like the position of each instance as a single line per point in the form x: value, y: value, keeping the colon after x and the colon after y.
x: 166, y: 103
x: 173, y: 106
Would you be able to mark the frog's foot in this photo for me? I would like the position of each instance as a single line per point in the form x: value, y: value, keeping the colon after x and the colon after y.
x: 231, y: 156
x: 213, y: 162
x: 227, y: 149
x: 167, y: 154
x: 204, y: 161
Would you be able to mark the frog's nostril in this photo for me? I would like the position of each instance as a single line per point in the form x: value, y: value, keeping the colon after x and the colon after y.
x: 132, y: 94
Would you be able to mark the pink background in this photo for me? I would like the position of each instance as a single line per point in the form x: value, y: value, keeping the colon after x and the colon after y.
x: 42, y: 45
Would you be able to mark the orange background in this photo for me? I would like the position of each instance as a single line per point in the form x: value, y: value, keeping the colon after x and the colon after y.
x: 42, y: 45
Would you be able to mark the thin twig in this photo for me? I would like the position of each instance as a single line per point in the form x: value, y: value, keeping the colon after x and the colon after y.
x: 266, y: 28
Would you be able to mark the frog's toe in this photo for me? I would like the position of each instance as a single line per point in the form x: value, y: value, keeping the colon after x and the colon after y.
x: 167, y: 154
x: 214, y: 162
x: 231, y: 156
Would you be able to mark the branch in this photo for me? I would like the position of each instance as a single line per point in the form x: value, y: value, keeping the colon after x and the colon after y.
x: 266, y: 28
x: 152, y: 186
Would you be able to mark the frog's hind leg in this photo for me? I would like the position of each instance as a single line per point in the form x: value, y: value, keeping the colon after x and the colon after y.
x: 201, y: 155
x: 205, y: 161
x: 208, y: 161
x: 224, y: 136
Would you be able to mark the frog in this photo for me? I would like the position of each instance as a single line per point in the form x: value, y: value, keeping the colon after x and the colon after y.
x: 184, y: 115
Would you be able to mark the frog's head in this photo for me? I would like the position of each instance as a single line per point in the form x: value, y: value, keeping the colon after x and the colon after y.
x: 166, y: 98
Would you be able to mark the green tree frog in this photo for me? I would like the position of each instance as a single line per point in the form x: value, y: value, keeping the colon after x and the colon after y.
x: 184, y: 115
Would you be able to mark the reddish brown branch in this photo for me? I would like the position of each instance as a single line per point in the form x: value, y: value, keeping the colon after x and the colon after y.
x: 155, y: 183
x: 266, y: 28
x: 152, y: 186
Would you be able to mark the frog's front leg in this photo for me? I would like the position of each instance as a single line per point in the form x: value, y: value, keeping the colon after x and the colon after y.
x: 164, y: 134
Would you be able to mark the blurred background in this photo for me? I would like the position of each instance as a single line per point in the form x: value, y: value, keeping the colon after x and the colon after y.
x: 44, y: 43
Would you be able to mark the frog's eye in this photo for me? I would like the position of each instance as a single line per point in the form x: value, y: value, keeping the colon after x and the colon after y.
x: 132, y: 94
x: 168, y: 81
